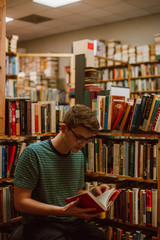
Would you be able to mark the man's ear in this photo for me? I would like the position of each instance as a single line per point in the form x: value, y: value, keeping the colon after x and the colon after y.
x: 63, y: 127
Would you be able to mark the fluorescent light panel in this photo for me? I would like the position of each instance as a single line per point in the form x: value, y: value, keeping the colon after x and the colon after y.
x: 55, y: 3
x: 8, y: 19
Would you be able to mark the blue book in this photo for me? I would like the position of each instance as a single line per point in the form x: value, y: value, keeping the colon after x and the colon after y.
x: 135, y: 118
x: 106, y: 113
x: 3, y: 162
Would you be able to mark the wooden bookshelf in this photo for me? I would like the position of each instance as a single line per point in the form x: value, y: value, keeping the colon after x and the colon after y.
x: 115, y: 178
x: 145, y: 136
x: 2, y: 64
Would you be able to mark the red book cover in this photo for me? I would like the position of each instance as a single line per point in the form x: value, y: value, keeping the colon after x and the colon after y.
x: 101, y: 203
x: 11, y: 154
x: 149, y: 207
x: 36, y: 119
x: 13, y: 118
x: 131, y: 115
x: 117, y: 104
x: 119, y: 116
x: 17, y: 107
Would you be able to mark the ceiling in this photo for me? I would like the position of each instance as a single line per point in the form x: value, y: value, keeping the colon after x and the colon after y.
x: 83, y: 14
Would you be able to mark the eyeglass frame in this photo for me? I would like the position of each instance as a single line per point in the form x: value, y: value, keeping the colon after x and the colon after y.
x: 81, y: 139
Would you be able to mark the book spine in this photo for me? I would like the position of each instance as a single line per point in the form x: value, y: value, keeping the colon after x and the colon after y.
x: 13, y: 118
x: 28, y: 106
x: 17, y: 106
x: 149, y: 207
x: 22, y: 117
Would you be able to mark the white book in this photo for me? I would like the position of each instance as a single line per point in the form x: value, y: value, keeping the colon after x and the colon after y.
x: 116, y: 158
x: 91, y: 156
x: 141, y: 207
x: 135, y: 205
x: 154, y: 207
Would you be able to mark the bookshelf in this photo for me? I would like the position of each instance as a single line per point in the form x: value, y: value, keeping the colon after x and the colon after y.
x: 38, y: 76
x: 145, y: 78
x: 126, y: 181
x: 119, y: 136
x: 142, y: 77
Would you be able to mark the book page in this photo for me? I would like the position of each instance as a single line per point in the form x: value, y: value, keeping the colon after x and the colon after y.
x: 104, y: 198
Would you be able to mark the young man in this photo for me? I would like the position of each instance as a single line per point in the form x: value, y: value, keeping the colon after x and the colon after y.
x: 51, y: 171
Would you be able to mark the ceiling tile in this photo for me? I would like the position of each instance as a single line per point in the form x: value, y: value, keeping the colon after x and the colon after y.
x: 12, y: 12
x: 31, y: 7
x: 13, y: 3
x: 77, y: 7
x: 144, y: 3
x: 154, y: 9
x: 55, y: 13
x: 96, y: 13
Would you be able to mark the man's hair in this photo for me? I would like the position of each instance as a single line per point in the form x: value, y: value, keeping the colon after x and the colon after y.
x: 81, y: 115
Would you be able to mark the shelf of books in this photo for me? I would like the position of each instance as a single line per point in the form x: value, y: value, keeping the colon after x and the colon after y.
x: 117, y: 74
x: 126, y: 153
x: 38, y: 76
x: 145, y: 78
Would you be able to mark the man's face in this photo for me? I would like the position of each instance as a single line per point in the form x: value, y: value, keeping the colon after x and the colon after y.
x: 76, y: 138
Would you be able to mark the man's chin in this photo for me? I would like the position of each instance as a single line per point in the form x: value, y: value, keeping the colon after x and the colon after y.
x: 75, y: 149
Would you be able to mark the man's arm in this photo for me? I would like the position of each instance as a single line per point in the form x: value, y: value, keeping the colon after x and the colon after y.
x: 24, y: 203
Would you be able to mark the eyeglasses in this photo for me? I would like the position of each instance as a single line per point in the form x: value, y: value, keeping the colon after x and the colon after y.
x: 81, y: 139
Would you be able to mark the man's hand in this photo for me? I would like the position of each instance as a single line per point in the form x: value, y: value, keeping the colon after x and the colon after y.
x: 100, y: 189
x: 71, y: 209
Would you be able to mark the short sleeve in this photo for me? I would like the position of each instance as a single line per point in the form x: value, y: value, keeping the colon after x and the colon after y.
x: 27, y: 173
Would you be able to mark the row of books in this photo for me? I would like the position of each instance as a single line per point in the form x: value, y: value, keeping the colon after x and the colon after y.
x: 11, y: 43
x: 136, y: 71
x: 11, y: 88
x: 7, y: 210
x: 131, y: 54
x: 119, y: 83
x: 137, y: 206
x: 131, y: 234
x: 135, y: 158
x: 118, y: 113
x: 38, y: 93
x: 41, y: 65
x: 149, y: 84
x: 26, y: 118
x: 9, y: 154
x: 133, y: 205
x: 116, y: 73
x: 11, y: 65
x: 145, y: 70
x: 4, y: 235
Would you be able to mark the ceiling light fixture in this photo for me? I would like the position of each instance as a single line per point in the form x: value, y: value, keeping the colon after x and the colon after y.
x: 8, y: 19
x: 55, y: 3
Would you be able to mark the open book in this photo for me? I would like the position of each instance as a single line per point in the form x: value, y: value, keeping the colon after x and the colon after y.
x: 102, y: 202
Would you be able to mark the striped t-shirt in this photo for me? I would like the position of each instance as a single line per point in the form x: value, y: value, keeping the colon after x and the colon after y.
x: 52, y: 176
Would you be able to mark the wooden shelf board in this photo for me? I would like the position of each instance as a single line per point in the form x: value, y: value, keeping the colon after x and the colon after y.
x: 115, y: 176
